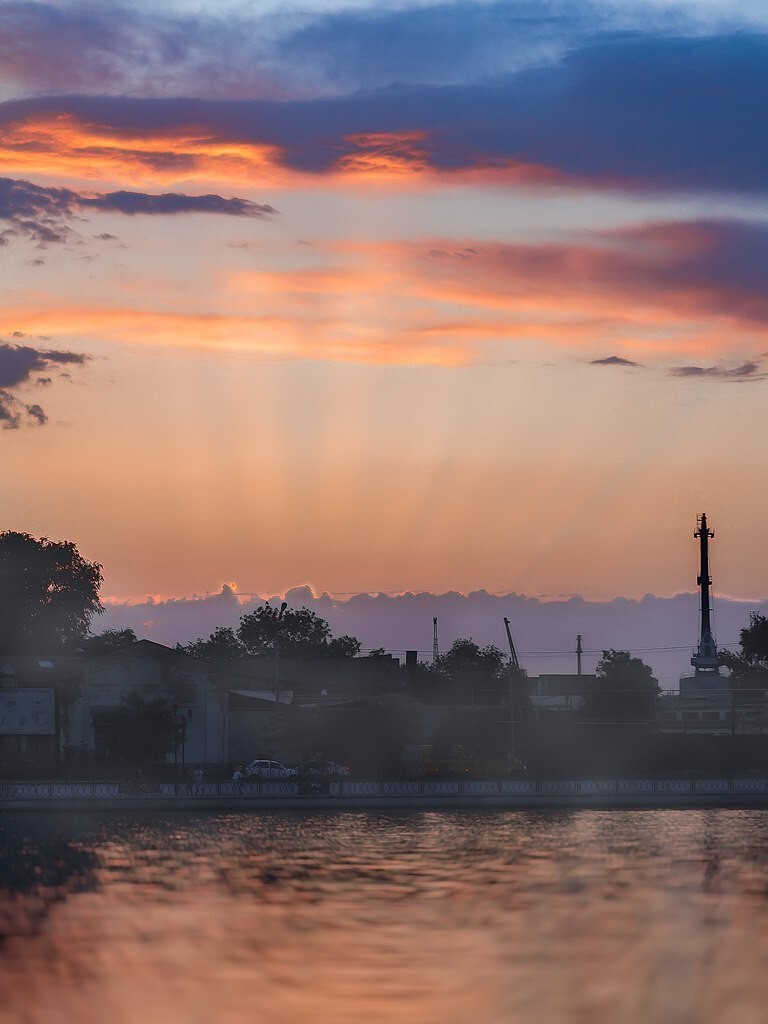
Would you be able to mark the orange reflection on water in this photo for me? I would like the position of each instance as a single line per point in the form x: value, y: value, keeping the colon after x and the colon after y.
x: 423, y: 918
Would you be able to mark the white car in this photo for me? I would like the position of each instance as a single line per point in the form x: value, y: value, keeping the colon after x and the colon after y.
x: 268, y: 770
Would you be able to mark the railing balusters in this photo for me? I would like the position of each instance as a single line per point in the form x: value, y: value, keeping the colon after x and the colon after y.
x: 581, y: 789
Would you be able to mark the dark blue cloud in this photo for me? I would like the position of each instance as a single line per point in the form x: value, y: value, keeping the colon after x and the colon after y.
x: 170, y: 203
x: 14, y: 413
x: 127, y: 48
x: 17, y: 365
x: 672, y: 112
x: 101, y: 47
x: 613, y: 361
x: 735, y: 255
x: 640, y: 112
x: 42, y: 213
x: 725, y: 262
x: 749, y: 370
x: 440, y: 44
x: 688, y: 266
x: 19, y: 362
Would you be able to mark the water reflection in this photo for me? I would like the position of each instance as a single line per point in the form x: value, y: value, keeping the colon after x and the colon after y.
x: 429, y: 917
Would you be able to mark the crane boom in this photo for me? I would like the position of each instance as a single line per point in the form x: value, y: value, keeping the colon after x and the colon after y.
x: 512, y: 651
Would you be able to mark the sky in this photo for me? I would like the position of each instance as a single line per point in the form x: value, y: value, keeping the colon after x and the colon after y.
x: 378, y: 298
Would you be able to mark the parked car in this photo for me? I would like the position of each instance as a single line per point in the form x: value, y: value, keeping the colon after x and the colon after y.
x: 262, y: 769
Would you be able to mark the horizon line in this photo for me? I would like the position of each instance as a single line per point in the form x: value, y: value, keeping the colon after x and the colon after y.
x: 344, y: 597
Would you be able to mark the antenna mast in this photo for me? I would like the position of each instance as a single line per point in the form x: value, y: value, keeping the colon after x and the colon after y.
x: 705, y: 659
x: 435, y: 645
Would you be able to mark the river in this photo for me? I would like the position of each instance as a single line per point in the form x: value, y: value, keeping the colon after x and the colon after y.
x: 438, y: 917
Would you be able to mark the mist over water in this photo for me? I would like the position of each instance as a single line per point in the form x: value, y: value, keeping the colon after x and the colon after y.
x: 412, y: 917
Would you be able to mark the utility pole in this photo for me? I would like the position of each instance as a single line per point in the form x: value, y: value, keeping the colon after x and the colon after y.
x: 435, y: 645
x: 578, y: 654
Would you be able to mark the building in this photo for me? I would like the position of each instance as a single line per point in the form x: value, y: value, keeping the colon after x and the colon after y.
x: 153, y: 671
x: 34, y: 693
x: 558, y: 691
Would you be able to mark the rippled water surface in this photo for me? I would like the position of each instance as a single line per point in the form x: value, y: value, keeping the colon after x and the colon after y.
x: 481, y: 917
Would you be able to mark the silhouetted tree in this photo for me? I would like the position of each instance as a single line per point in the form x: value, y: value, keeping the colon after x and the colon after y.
x: 473, y: 674
x: 299, y: 633
x: 48, y: 594
x: 109, y: 640
x: 221, y: 645
x: 624, y: 691
x: 343, y: 647
x: 749, y: 667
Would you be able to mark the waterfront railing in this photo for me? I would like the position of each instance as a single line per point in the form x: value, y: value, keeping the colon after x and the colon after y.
x: 393, y: 788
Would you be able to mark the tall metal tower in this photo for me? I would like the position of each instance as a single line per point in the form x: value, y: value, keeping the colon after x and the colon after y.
x: 435, y: 644
x: 705, y: 659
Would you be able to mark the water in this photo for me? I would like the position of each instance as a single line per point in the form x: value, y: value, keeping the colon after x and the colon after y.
x: 414, y: 918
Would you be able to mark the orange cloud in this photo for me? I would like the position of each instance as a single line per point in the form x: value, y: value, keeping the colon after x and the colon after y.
x: 646, y: 296
x: 64, y: 145
x: 385, y: 154
x: 271, y: 336
x: 56, y: 145
x: 640, y: 298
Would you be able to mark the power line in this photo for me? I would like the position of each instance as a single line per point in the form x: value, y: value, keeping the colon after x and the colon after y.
x: 568, y: 653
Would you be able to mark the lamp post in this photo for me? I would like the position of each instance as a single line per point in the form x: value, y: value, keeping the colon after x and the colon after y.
x: 278, y: 620
x: 179, y: 733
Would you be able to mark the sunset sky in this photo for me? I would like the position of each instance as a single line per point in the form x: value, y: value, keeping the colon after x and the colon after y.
x: 387, y: 297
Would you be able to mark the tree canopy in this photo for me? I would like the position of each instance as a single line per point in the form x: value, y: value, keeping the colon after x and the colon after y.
x: 109, y: 640
x: 48, y: 594
x: 222, y: 645
x: 749, y: 666
x: 625, y: 690
x: 298, y: 633
x: 475, y: 674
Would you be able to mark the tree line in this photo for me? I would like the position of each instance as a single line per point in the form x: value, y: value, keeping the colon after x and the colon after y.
x: 49, y: 597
